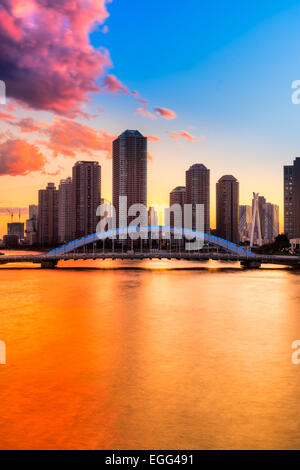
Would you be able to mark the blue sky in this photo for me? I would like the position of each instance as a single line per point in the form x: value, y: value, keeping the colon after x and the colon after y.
x: 225, y: 68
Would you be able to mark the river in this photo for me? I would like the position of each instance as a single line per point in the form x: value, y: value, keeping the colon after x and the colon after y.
x: 149, y: 355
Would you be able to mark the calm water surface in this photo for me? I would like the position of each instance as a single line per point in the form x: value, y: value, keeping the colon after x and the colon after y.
x: 158, y: 355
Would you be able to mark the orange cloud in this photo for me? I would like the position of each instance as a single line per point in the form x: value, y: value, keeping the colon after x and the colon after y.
x: 6, y: 116
x: 67, y: 137
x: 184, y: 135
x: 18, y: 157
x: 166, y: 113
x: 153, y: 138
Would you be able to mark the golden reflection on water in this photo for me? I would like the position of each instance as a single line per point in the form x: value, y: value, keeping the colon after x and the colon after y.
x: 149, y: 354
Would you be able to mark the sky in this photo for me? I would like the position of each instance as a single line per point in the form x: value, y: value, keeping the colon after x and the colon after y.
x: 206, y: 82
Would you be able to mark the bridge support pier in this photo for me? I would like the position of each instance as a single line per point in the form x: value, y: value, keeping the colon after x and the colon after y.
x: 48, y: 264
x: 250, y: 264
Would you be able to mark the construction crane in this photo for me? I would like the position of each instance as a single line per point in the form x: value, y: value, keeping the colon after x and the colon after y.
x: 11, y: 214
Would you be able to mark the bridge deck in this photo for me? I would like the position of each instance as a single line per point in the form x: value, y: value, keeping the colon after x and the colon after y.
x: 192, y: 256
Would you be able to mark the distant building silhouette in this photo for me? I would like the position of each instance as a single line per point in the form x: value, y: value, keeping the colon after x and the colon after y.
x: 291, y: 178
x: 48, y: 216
x: 86, y: 194
x: 16, y: 228
x: 198, y: 191
x: 178, y: 196
x: 32, y: 225
x: 227, y: 189
x: 65, y: 192
x: 129, y: 171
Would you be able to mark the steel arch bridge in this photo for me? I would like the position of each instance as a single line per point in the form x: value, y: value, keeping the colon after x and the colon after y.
x: 158, y: 230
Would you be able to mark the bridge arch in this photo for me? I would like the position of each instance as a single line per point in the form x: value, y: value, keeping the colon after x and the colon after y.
x: 207, y: 238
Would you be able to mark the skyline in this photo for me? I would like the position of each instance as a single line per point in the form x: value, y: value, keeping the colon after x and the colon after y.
x: 229, y: 94
x: 21, y: 213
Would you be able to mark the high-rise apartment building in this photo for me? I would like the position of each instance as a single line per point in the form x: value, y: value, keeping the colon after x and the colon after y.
x: 198, y: 191
x: 178, y: 196
x: 48, y: 216
x: 65, y: 192
x: 129, y: 171
x: 292, y: 199
x: 270, y: 222
x: 86, y: 194
x: 227, y: 189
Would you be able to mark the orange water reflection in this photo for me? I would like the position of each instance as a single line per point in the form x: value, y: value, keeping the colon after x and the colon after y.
x: 156, y: 357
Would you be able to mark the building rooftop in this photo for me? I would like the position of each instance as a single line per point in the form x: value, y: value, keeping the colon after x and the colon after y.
x: 227, y: 178
x: 131, y: 133
x: 198, y: 166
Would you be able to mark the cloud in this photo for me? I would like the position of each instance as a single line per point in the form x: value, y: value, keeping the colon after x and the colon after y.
x: 153, y: 138
x: 183, y: 135
x: 105, y: 29
x: 149, y: 156
x: 112, y: 85
x: 143, y: 109
x: 18, y: 157
x: 145, y: 112
x: 6, y: 115
x: 67, y: 137
x: 165, y: 113
x: 27, y: 125
x: 47, y: 61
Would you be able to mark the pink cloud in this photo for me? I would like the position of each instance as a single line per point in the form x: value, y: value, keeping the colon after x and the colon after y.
x: 27, y: 125
x: 18, y: 157
x: 46, y: 57
x: 112, y: 85
x: 105, y: 29
x: 145, y: 112
x: 143, y: 109
x: 166, y: 113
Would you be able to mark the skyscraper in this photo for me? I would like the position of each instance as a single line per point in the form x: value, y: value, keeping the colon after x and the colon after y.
x: 86, y: 194
x: 178, y: 196
x: 48, y: 216
x: 292, y: 199
x: 197, y: 191
x: 270, y: 222
x: 129, y: 171
x: 228, y: 208
x: 65, y: 210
